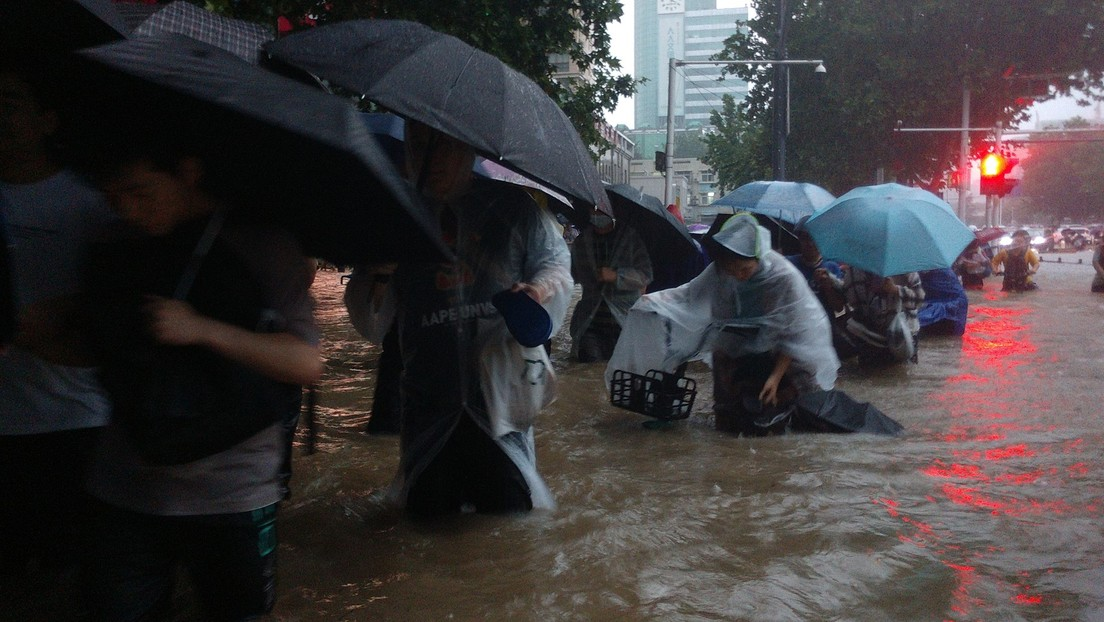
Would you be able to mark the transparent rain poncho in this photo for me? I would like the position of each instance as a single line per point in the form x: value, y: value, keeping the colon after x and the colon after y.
x: 774, y: 311
x: 623, y: 250
x: 459, y: 358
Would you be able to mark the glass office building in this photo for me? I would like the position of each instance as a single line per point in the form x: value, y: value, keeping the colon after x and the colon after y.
x: 688, y: 30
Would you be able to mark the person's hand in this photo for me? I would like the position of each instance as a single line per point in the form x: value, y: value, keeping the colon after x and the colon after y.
x: 533, y: 291
x: 769, y: 395
x: 889, y: 287
x: 607, y: 275
x: 175, y: 322
x: 822, y: 277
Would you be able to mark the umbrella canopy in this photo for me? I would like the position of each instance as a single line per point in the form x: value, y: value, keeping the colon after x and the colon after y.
x: 889, y: 229
x: 668, y: 240
x: 988, y: 234
x: 782, y: 201
x: 389, y: 130
x: 241, y: 38
x: 445, y: 83
x: 58, y: 25
x: 287, y: 152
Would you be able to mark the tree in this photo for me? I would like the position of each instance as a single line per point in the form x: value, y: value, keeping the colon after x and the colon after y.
x: 739, y: 151
x: 893, y: 63
x: 1063, y: 179
x: 522, y: 34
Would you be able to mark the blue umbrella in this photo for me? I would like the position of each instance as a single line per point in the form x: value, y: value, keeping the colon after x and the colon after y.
x: 889, y: 229
x: 781, y: 201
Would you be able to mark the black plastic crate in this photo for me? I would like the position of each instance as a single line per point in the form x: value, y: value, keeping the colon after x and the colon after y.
x: 655, y: 394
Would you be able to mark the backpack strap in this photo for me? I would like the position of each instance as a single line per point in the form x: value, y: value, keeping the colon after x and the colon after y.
x: 187, y: 279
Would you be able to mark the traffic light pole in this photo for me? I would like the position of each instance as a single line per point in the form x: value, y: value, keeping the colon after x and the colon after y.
x: 994, y: 203
x: 964, y: 153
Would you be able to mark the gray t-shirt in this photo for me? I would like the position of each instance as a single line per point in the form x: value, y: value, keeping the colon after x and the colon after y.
x: 246, y: 476
x: 50, y: 226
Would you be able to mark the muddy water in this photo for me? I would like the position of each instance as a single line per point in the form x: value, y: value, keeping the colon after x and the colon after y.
x: 989, y: 507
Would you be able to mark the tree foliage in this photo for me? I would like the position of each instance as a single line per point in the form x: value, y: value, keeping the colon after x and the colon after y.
x: 902, y: 64
x: 1063, y: 179
x: 739, y: 151
x: 522, y: 34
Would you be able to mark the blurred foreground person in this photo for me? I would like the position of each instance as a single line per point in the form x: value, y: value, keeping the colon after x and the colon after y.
x: 51, y: 405
x: 204, y: 328
x: 470, y: 391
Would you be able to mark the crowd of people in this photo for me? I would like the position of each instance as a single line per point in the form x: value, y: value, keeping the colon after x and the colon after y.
x: 152, y: 373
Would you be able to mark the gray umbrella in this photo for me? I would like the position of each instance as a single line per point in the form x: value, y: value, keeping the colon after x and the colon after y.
x: 241, y: 38
x: 445, y: 83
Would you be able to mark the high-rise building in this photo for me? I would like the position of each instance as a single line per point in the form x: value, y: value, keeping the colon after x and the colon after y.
x: 688, y: 30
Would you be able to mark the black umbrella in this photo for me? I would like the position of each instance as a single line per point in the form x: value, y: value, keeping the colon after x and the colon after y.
x: 287, y: 152
x: 668, y: 240
x: 837, y: 412
x: 445, y: 83
x: 37, y: 26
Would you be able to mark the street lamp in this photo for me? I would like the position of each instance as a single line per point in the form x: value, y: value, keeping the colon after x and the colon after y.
x: 673, y: 64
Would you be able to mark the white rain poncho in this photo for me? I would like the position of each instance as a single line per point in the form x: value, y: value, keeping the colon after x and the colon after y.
x: 774, y: 311
x: 459, y: 358
x: 623, y: 250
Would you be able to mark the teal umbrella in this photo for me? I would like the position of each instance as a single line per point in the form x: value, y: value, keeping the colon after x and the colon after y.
x: 889, y: 229
x: 781, y: 201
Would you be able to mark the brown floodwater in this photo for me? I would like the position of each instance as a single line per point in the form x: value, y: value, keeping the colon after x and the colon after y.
x: 988, y: 507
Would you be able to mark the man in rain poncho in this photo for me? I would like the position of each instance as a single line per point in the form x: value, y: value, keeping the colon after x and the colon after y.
x: 751, y: 310
x: 470, y: 391
x: 610, y: 262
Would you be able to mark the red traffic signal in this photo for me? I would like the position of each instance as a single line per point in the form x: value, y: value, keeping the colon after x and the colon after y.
x: 993, y: 164
x: 994, y: 167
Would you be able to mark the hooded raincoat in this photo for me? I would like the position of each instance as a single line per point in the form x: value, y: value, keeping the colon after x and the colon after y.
x: 772, y: 312
x: 459, y: 358
x: 622, y: 250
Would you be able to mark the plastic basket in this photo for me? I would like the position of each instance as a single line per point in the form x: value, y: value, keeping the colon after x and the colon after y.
x: 655, y: 394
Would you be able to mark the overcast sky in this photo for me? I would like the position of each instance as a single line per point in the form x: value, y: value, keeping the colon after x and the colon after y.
x: 621, y: 34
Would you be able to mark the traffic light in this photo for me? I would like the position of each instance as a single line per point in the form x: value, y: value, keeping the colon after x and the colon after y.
x: 660, y: 162
x: 994, y: 167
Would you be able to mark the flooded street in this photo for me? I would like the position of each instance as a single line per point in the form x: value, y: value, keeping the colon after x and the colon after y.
x: 987, y: 508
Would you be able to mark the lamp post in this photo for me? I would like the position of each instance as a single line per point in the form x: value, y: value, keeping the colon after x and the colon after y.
x: 672, y: 65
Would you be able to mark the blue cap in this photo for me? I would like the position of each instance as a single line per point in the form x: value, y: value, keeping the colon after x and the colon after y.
x: 527, y: 320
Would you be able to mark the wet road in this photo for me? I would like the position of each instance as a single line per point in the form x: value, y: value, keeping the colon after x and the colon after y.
x: 988, y: 508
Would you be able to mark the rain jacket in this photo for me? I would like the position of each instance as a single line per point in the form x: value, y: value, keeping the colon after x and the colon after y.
x: 944, y: 300
x: 627, y: 255
x: 459, y: 359
x: 774, y: 311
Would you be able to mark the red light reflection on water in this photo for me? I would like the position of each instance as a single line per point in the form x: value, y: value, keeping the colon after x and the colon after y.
x: 994, y: 336
x: 986, y: 468
x: 1027, y: 599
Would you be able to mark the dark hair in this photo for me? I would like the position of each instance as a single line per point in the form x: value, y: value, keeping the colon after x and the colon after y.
x: 1021, y: 233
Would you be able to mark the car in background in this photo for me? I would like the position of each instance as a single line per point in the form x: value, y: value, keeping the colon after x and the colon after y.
x: 1078, y: 237
x: 1035, y: 235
